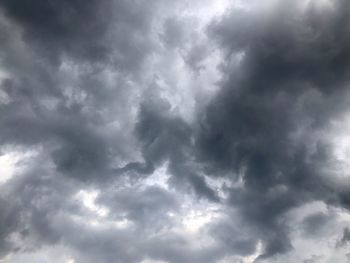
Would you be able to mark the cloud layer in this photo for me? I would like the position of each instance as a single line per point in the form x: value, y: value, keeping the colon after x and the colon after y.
x: 190, y: 131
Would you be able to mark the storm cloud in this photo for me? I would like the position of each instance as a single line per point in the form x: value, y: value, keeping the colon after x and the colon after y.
x: 174, y: 131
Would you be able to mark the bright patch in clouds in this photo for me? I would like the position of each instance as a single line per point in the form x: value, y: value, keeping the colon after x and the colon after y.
x: 7, y: 166
x: 88, y: 198
x: 197, y: 217
x: 13, y: 161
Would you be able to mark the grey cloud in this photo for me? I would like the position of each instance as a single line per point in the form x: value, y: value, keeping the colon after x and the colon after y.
x: 233, y: 239
x: 148, y: 208
x: 248, y: 128
x: 196, y: 55
x: 345, y: 238
x: 57, y: 56
x: 46, y: 215
x: 168, y: 138
x: 73, y: 82
x: 44, y: 96
x: 85, y: 30
x: 80, y: 91
x: 309, y: 47
x: 9, y: 218
x: 315, y: 223
x: 313, y: 259
x: 183, y: 35
x: 174, y: 33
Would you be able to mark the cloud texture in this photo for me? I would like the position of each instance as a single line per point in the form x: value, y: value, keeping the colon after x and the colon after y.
x: 174, y: 131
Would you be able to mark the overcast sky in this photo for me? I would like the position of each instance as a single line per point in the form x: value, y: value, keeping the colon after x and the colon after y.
x: 187, y: 131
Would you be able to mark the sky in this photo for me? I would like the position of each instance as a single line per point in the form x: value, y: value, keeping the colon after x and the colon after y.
x: 187, y: 131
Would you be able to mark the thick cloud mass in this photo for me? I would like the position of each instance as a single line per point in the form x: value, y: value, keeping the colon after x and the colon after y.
x: 174, y: 131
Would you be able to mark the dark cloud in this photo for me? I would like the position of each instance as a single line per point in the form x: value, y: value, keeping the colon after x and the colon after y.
x: 122, y: 169
x: 9, y: 218
x: 314, y: 224
x: 168, y: 138
x: 85, y: 30
x: 66, y: 104
x: 292, y: 78
x: 345, y: 238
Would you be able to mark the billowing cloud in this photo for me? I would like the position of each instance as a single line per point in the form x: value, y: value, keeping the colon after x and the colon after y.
x: 190, y: 131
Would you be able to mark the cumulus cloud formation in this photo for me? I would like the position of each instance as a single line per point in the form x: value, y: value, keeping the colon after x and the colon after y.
x: 174, y: 131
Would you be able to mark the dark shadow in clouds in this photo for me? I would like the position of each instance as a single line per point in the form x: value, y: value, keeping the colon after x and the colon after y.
x: 168, y: 138
x: 314, y: 224
x: 292, y: 78
x: 79, y: 94
x: 92, y: 31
